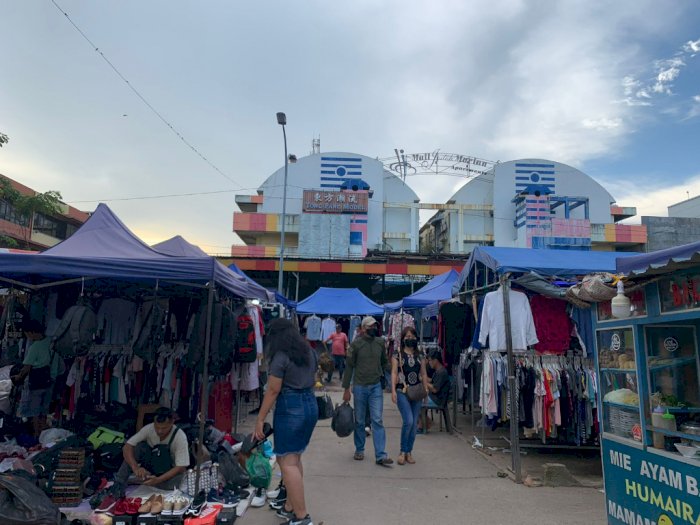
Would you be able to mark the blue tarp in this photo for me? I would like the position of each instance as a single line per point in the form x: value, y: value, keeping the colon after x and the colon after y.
x: 439, y: 288
x: 105, y: 248
x: 339, y: 301
x: 548, y: 263
x: 179, y: 247
x: 661, y: 261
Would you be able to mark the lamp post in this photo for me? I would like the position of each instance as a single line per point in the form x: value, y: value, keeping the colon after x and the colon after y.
x: 282, y: 121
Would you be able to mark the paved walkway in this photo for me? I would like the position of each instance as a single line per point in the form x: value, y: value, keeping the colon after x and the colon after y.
x: 449, y: 484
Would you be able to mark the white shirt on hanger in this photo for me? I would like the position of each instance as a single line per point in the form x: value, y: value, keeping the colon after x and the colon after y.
x: 327, y: 328
x: 313, y: 328
x: 493, y: 325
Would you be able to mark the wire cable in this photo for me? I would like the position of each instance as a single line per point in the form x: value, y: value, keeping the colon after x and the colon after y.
x: 142, y: 98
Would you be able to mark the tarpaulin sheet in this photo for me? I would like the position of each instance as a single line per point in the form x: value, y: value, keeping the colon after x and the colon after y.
x: 439, y: 288
x: 339, y: 301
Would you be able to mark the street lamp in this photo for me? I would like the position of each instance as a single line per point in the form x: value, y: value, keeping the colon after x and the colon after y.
x: 282, y: 121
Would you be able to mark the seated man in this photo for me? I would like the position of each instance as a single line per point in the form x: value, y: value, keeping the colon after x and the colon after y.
x: 158, y: 454
x: 439, y: 386
x: 440, y: 382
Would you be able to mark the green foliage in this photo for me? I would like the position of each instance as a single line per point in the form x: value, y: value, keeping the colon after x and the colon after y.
x: 4, y: 139
x: 8, y: 242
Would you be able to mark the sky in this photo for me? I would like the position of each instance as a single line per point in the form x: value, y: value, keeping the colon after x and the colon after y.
x: 612, y: 88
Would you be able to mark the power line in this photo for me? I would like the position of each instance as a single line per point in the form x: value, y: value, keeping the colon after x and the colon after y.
x: 142, y: 98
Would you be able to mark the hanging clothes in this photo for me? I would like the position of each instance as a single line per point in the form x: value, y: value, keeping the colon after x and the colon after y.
x: 355, y: 321
x: 327, y: 328
x: 399, y: 321
x: 455, y: 328
x: 493, y: 326
x: 312, y: 325
x: 552, y: 324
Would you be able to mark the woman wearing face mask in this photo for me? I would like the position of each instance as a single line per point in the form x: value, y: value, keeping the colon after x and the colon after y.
x: 408, y: 370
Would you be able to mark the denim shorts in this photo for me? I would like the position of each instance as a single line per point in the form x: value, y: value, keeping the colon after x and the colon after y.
x: 296, y: 414
x: 35, y: 402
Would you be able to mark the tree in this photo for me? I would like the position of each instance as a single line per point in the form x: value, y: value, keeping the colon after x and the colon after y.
x: 4, y: 139
x: 27, y: 206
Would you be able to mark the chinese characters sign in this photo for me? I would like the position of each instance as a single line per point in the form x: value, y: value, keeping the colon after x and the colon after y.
x: 335, y: 201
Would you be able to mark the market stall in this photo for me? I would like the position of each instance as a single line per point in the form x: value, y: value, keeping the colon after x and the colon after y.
x: 146, y: 329
x: 530, y: 333
x: 649, y: 370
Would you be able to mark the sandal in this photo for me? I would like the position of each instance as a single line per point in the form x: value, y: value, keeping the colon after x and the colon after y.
x: 359, y: 456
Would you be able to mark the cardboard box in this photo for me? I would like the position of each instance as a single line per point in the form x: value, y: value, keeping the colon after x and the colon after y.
x: 207, y: 516
x: 147, y: 519
x: 124, y: 520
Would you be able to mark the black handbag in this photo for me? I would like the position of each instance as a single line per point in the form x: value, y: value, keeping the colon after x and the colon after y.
x: 325, y: 406
x: 23, y: 503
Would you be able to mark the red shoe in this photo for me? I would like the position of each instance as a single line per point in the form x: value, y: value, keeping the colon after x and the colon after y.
x: 132, y: 506
x: 120, y: 507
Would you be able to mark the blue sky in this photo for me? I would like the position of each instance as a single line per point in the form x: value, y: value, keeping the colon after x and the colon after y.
x: 612, y: 88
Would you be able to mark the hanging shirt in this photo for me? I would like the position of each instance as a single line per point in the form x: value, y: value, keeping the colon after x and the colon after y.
x: 399, y: 321
x: 115, y: 319
x: 327, y: 328
x: 493, y: 325
x: 355, y: 321
x: 552, y: 324
x: 313, y: 328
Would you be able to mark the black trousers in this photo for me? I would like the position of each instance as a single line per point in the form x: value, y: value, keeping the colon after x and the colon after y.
x: 142, y: 453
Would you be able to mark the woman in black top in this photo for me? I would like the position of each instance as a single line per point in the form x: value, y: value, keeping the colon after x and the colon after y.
x: 407, y: 369
x: 292, y: 375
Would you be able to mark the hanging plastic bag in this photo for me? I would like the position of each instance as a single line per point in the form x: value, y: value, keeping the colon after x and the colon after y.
x: 343, y: 422
x: 259, y: 470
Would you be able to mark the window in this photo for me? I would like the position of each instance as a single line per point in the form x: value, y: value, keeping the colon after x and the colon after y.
x: 619, y: 383
x: 50, y: 226
x: 680, y: 292
x: 8, y: 213
x: 674, y: 385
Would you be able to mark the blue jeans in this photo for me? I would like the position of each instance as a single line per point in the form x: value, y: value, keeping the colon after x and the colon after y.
x: 339, y: 362
x: 369, y: 397
x: 410, y: 412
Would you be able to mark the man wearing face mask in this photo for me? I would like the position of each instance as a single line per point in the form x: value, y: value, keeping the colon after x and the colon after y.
x: 365, y: 365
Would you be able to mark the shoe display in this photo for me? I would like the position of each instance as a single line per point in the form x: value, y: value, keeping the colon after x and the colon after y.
x: 231, y: 499
x: 273, y: 494
x: 157, y: 505
x: 168, y: 504
x: 107, y: 503
x: 259, y: 498
x: 197, y: 504
x: 145, y: 507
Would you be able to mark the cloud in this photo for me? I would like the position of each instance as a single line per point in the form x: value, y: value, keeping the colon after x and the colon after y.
x: 692, y: 46
x: 653, y: 200
x: 694, y: 108
x: 665, y: 73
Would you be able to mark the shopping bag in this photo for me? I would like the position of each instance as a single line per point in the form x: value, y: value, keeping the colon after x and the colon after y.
x: 259, y: 470
x: 343, y: 422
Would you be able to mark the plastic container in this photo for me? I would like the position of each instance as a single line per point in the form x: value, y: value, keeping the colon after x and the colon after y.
x: 665, y: 421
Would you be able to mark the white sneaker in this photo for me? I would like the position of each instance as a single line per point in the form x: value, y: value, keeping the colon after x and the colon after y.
x: 272, y: 494
x: 259, y: 498
x: 243, y: 505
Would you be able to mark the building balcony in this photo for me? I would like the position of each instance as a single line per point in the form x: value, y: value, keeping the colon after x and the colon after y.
x: 264, y: 222
x: 619, y: 233
x: 249, y: 203
x: 620, y: 213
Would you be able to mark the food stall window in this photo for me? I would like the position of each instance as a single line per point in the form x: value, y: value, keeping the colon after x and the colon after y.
x: 672, y: 410
x: 619, y: 384
x: 679, y: 292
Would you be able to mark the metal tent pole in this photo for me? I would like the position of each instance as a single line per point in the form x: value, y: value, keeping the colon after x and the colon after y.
x: 238, y: 399
x: 204, y: 402
x: 514, y: 434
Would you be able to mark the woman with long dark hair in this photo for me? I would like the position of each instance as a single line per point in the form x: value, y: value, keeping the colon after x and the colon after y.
x: 292, y: 366
x: 408, y: 371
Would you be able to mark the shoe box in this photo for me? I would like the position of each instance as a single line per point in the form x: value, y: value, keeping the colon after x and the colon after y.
x: 170, y: 520
x: 226, y: 517
x: 207, y: 516
x: 146, y: 519
x: 124, y: 520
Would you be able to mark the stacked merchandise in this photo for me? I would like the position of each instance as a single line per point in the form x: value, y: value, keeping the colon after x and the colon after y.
x: 65, y: 485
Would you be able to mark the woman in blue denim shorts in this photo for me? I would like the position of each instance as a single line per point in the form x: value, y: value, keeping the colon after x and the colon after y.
x: 292, y: 366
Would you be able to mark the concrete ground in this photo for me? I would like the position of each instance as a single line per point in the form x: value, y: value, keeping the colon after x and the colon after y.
x: 451, y: 483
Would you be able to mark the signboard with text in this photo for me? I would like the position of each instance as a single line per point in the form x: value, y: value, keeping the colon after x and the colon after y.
x: 642, y: 488
x: 335, y: 201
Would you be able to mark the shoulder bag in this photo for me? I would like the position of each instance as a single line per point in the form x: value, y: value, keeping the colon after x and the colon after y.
x: 413, y: 392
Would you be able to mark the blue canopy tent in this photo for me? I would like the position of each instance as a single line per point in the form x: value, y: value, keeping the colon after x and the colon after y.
x: 104, y: 247
x: 661, y: 261
x: 179, y: 247
x: 339, y: 301
x: 439, y: 288
x: 278, y: 297
x: 546, y: 263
